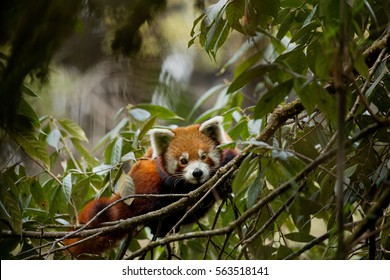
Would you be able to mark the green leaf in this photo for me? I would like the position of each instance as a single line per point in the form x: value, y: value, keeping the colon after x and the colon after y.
x: 206, y: 96
x: 32, y: 146
x: 25, y: 110
x: 196, y: 21
x: 102, y: 169
x: 125, y: 187
x: 299, y: 237
x: 285, y: 25
x: 313, y: 96
x: 73, y: 129
x: 247, y: 76
x: 38, y: 194
x: 275, y: 172
x: 57, y: 200
x: 272, y: 98
x: 319, y: 58
x: 306, y: 148
x: 256, y: 143
x: 240, y: 129
x: 87, y: 156
x: 28, y: 91
x: 234, y: 12
x: 159, y: 111
x: 248, y: 166
x: 116, y: 152
x: 138, y: 114
x: 295, y: 59
x: 216, y: 36
x: 255, y: 190
x: 305, y: 30
x: 381, y: 100
x: 112, y: 134
x: 53, y: 139
x: 360, y: 64
x: 247, y: 63
x: 380, y: 73
x: 128, y: 156
x: 214, y: 28
x: 67, y: 187
x: 80, y: 191
x: 147, y: 126
x: 281, y: 155
x: 305, y: 206
x: 9, y: 205
x: 267, y: 7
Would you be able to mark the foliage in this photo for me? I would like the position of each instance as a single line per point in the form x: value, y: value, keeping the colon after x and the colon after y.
x: 312, y: 180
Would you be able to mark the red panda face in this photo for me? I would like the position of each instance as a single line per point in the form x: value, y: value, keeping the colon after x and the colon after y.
x: 194, y: 162
x: 190, y: 153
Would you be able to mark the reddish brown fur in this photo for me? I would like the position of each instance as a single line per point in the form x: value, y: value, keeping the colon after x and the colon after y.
x: 191, y: 140
x: 100, y: 243
x: 147, y: 180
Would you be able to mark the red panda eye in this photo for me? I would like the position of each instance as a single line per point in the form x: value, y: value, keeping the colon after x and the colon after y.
x: 203, y: 157
x: 183, y: 161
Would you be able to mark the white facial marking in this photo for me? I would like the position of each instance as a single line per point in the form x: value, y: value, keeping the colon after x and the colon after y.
x: 202, y: 169
x: 171, y: 165
x: 215, y: 156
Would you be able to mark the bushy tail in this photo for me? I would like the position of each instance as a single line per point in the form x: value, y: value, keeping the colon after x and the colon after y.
x: 100, y: 243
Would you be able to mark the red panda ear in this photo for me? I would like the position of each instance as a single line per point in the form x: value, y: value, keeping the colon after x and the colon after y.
x: 213, y: 128
x: 160, y: 139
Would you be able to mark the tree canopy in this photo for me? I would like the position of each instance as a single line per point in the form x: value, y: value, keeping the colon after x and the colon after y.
x: 305, y: 96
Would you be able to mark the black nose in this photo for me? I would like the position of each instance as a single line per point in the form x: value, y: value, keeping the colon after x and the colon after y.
x: 197, y: 173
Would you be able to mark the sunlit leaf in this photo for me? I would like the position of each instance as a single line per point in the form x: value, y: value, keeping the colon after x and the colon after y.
x: 27, y: 90
x: 128, y: 156
x: 102, y: 169
x: 116, y: 151
x: 53, y: 139
x: 139, y: 114
x: 73, y: 129
x: 67, y: 187
x: 148, y: 125
x: 159, y: 111
x: 125, y: 187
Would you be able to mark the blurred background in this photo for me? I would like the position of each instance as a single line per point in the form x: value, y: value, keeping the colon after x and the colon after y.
x: 89, y: 84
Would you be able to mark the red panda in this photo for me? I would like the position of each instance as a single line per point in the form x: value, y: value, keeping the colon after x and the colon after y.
x: 178, y: 162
